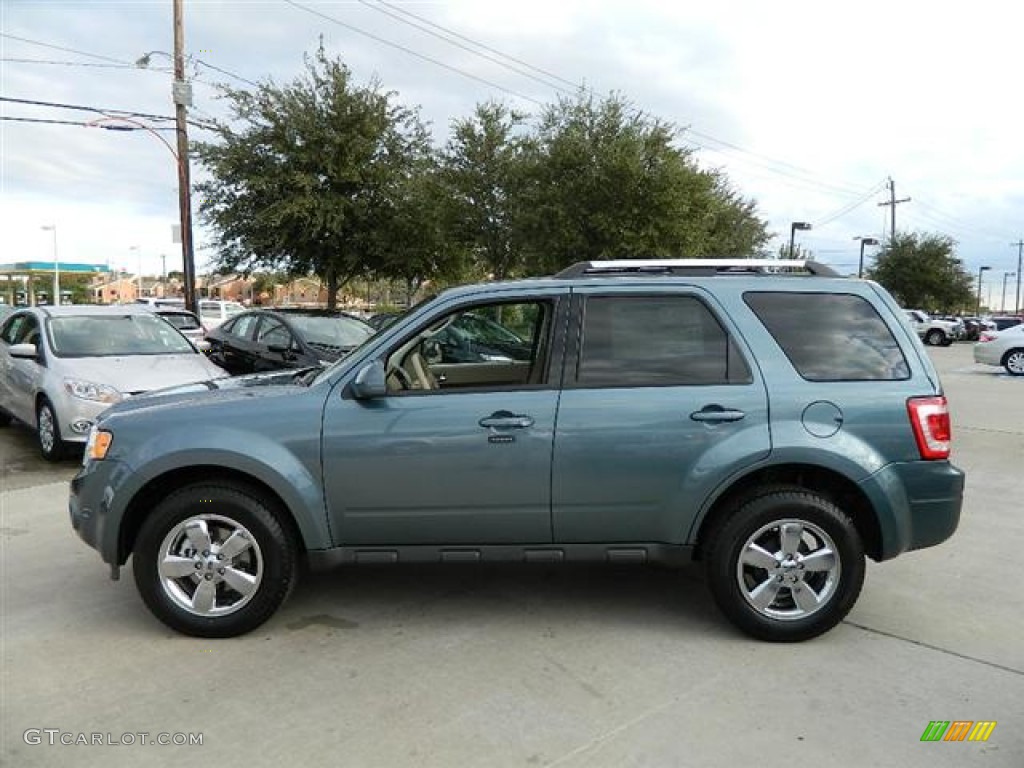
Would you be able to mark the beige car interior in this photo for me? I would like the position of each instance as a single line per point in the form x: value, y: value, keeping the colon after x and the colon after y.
x: 415, y: 364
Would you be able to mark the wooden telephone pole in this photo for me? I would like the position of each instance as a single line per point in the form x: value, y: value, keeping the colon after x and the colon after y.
x: 892, y: 202
x: 182, y: 93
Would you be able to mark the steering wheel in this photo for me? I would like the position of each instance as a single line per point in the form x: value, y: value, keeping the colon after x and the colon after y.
x: 401, y: 374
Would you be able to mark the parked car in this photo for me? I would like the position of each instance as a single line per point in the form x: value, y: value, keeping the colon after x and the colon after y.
x: 1002, y: 348
x: 60, y: 367
x: 213, y: 312
x: 932, y: 330
x: 155, y: 302
x: 665, y: 412
x: 975, y: 326
x: 1003, y: 322
x: 187, y: 323
x: 266, y: 340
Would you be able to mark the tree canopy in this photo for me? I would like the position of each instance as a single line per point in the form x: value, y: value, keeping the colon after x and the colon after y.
x: 328, y: 177
x: 920, y: 271
x: 312, y: 179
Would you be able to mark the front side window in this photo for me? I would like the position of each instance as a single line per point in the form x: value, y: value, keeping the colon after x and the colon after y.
x: 655, y: 341
x: 830, y: 336
x: 242, y: 327
x: 488, y: 346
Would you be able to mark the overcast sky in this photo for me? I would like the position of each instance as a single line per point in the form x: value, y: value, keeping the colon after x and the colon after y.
x: 808, y: 106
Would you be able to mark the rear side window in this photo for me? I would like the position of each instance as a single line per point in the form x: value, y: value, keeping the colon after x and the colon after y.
x: 655, y: 341
x: 831, y: 336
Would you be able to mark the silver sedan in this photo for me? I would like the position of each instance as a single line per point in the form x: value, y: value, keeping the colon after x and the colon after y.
x: 1005, y: 348
x: 61, y: 366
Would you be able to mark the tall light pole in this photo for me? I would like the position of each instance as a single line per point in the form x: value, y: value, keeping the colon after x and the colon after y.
x: 1002, y: 302
x: 864, y: 241
x: 981, y: 271
x: 55, y: 299
x: 792, y: 233
x: 1020, y: 272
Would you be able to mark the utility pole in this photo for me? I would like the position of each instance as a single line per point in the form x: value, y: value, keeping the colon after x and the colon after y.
x: 1020, y: 259
x: 182, y: 93
x: 892, y: 202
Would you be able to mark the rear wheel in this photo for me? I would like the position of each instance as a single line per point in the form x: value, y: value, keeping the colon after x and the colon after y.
x: 214, y: 560
x: 1013, y: 362
x: 785, y: 565
x: 51, y: 446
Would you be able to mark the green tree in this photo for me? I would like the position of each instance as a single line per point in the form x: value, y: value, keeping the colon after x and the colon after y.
x: 921, y: 271
x: 306, y: 177
x: 481, y: 168
x: 604, y: 180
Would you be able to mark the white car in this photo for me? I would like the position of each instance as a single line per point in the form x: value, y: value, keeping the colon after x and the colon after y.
x: 61, y: 366
x: 213, y: 312
x: 1005, y: 348
x: 933, y: 331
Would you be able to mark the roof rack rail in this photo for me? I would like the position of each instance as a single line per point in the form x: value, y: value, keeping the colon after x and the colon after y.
x: 693, y: 267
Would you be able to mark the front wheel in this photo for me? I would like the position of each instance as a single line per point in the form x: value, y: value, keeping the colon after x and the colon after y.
x: 785, y: 565
x: 51, y: 446
x: 214, y: 560
x: 1013, y: 362
x: 934, y: 338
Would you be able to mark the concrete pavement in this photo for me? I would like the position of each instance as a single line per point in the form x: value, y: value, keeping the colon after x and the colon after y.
x: 527, y: 666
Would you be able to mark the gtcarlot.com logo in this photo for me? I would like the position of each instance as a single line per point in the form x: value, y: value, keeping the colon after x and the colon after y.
x: 55, y: 737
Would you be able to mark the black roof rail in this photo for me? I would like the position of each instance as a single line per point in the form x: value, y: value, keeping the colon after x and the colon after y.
x: 694, y: 267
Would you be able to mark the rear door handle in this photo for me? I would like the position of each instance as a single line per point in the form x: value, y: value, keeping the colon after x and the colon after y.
x: 716, y: 414
x: 506, y: 420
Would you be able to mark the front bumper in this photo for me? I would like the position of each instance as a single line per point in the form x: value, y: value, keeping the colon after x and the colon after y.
x: 90, y: 505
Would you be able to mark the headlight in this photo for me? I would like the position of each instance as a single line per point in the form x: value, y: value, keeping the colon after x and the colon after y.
x: 98, y: 444
x: 87, y: 390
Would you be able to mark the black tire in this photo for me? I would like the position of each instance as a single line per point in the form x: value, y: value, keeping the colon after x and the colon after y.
x: 51, y: 446
x: 1013, y: 362
x: 761, y: 518
x: 947, y: 341
x: 5, y: 418
x: 268, y: 560
x: 934, y: 337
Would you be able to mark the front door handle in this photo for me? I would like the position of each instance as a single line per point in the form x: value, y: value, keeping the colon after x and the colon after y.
x: 716, y: 414
x: 506, y: 420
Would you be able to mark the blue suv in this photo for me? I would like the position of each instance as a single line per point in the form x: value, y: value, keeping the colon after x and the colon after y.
x: 771, y: 419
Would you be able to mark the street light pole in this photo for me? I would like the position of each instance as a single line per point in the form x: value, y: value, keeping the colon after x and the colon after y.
x: 55, y: 299
x: 864, y: 241
x: 1002, y: 302
x: 981, y: 270
x: 792, y: 234
x: 138, y: 253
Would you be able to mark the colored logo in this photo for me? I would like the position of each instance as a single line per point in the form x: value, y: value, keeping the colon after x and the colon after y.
x: 958, y: 730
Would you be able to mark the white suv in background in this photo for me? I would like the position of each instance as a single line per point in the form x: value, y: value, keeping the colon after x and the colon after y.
x: 933, y: 331
x: 213, y: 312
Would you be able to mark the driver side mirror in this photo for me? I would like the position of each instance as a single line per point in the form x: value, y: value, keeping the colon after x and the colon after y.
x: 24, y: 351
x: 370, y: 382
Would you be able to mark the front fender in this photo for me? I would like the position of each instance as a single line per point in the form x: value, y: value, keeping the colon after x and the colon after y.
x: 290, y: 467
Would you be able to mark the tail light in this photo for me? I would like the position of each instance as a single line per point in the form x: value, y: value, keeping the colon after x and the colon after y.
x: 929, y: 416
x: 986, y: 336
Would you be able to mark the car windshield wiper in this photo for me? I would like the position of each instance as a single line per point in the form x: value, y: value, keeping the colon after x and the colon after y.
x: 306, y: 375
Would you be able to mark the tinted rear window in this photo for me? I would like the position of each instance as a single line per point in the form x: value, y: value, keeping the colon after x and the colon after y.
x: 831, y: 336
x: 648, y: 341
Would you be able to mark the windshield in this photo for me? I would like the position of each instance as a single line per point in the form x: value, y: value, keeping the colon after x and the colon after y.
x: 343, y: 332
x: 115, y: 335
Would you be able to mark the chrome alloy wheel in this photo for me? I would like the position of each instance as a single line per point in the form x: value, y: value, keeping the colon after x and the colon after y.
x: 47, y: 429
x: 788, y: 569
x: 210, y: 565
x: 1015, y: 362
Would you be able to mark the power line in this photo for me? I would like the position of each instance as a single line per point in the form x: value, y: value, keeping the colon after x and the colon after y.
x: 848, y: 208
x: 477, y: 43
x: 79, y: 64
x: 411, y: 52
x: 227, y: 72
x: 96, y: 110
x: 377, y: 7
x: 62, y: 48
x: 80, y: 123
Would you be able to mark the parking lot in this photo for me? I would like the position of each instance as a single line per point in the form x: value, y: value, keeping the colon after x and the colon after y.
x: 524, y: 665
